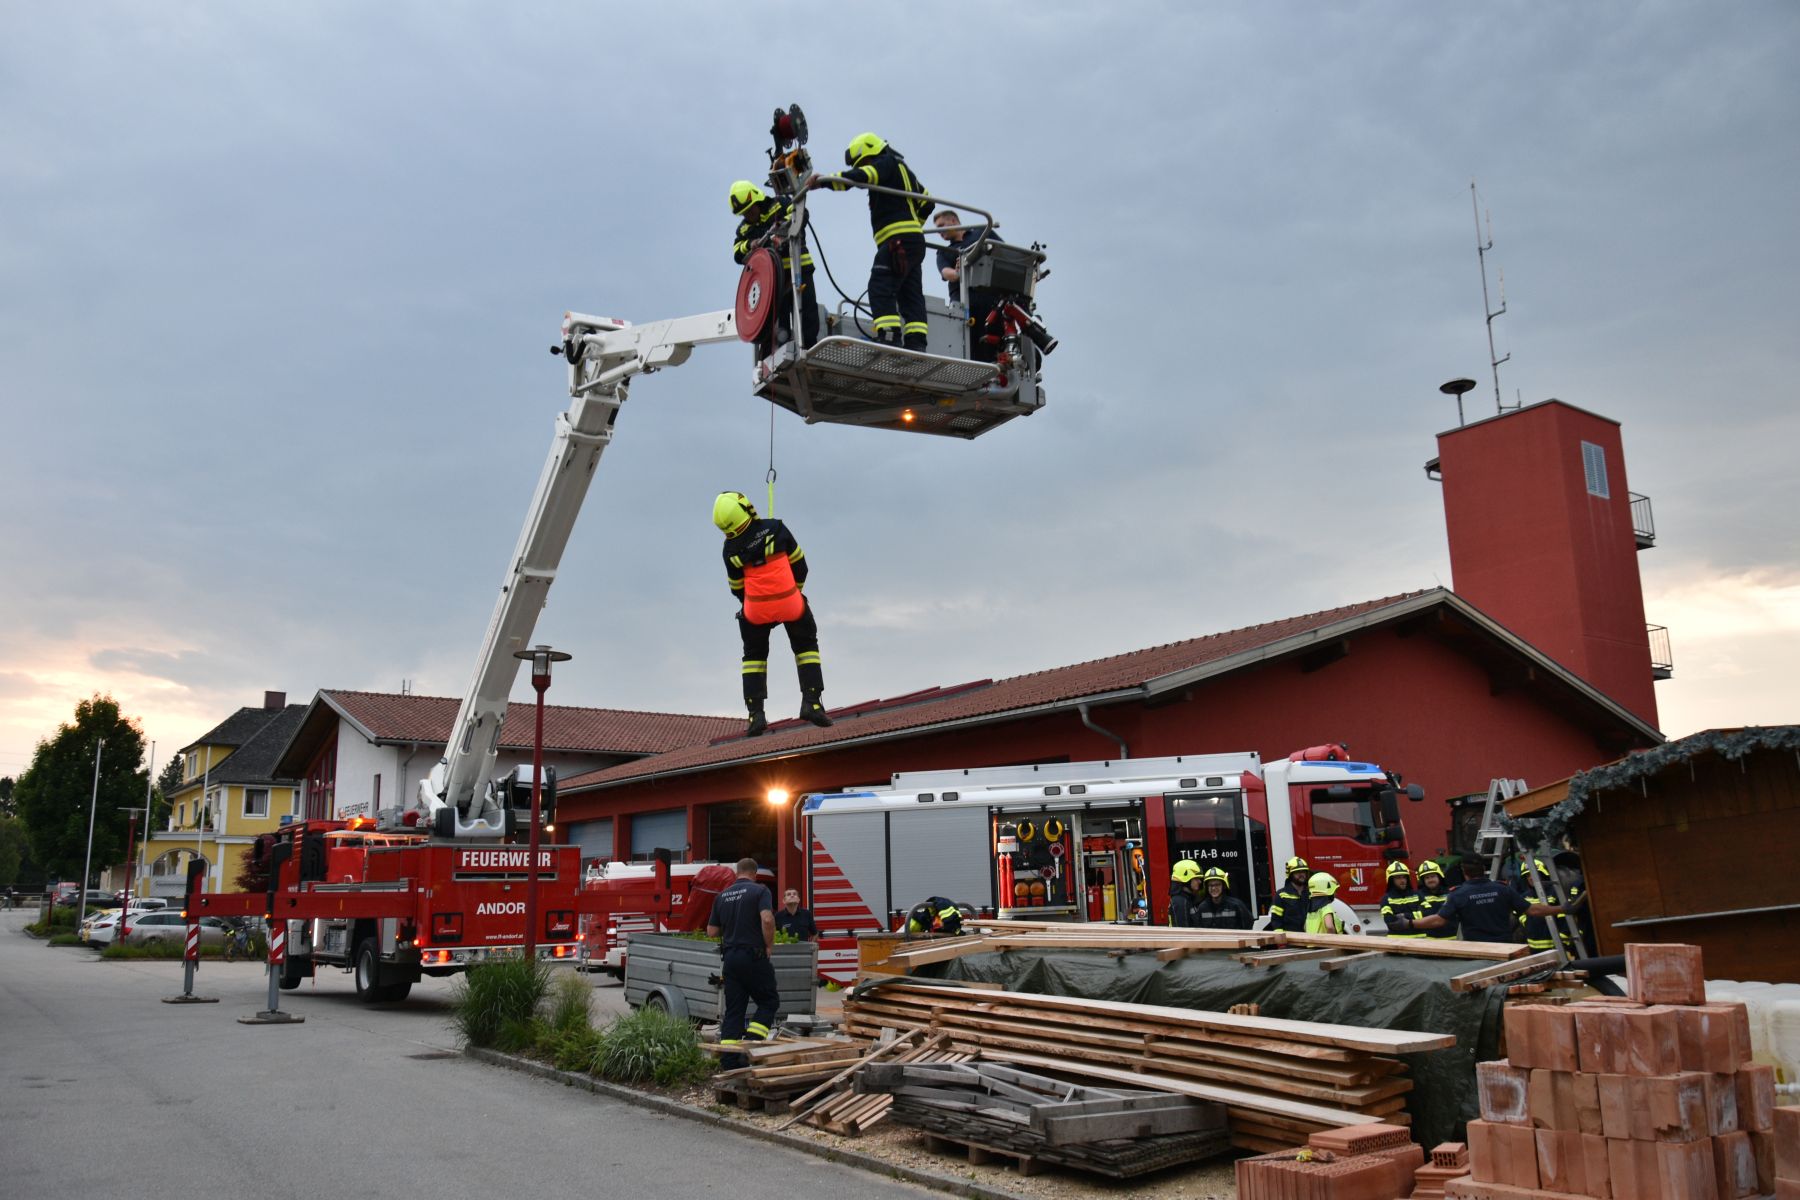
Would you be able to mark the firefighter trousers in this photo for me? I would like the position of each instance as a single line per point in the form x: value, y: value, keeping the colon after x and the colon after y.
x: 803, y: 636
x: 779, y: 329
x: 748, y: 975
x: 897, y: 290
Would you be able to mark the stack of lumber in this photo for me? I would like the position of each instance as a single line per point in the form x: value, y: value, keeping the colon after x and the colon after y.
x: 1279, y: 1080
x: 780, y: 1069
x: 1369, y: 1162
x: 1651, y: 1096
x: 1265, y: 948
x: 988, y: 1109
x: 842, y: 1110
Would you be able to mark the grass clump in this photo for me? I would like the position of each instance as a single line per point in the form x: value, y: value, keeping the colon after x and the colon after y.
x: 496, y: 1002
x: 160, y: 948
x: 650, y: 1046
x: 62, y: 920
x: 65, y: 939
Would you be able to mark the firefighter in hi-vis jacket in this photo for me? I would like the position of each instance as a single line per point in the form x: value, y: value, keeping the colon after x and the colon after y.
x: 765, y: 567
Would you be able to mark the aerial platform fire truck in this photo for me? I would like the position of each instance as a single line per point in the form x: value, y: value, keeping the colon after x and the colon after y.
x: 1093, y: 841
x: 442, y: 883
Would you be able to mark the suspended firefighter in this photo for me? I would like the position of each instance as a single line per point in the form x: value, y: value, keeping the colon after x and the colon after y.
x: 766, y: 569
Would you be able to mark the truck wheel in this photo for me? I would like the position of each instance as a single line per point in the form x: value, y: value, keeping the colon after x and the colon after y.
x: 667, y: 1000
x: 396, y: 992
x: 366, y: 969
x: 291, y: 974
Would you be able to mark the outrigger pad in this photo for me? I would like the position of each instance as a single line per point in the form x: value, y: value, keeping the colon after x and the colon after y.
x: 848, y: 381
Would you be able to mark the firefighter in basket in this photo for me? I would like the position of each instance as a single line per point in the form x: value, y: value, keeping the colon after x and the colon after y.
x: 766, y: 569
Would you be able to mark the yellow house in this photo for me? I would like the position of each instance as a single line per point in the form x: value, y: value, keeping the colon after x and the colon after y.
x: 228, y: 795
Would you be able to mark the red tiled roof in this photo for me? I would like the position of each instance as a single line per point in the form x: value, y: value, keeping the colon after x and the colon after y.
x: 390, y: 717
x: 991, y: 700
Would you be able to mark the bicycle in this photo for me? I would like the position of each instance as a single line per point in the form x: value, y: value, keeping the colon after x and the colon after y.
x: 237, y: 942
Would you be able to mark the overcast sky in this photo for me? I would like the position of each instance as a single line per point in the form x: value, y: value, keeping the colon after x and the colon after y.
x: 280, y: 281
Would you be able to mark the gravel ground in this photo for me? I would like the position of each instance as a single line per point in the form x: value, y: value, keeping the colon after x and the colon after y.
x: 1215, y: 1180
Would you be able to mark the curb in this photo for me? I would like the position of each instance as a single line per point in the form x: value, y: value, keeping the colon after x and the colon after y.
x: 672, y: 1108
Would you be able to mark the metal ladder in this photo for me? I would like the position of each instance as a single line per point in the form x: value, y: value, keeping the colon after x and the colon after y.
x: 1495, y: 844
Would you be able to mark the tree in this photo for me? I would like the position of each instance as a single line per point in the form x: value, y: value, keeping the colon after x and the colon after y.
x: 6, y: 796
x: 12, y: 850
x: 53, y: 794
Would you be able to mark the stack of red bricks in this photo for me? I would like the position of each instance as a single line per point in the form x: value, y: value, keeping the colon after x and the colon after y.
x: 1449, y: 1161
x: 1650, y: 1097
x: 1357, y: 1162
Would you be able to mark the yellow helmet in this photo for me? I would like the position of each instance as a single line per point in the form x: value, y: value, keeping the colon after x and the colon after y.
x: 1186, y: 871
x: 1295, y: 864
x: 1400, y: 869
x: 1216, y: 873
x: 744, y: 195
x: 861, y: 146
x: 733, y: 512
x: 1322, y: 884
x: 1428, y: 867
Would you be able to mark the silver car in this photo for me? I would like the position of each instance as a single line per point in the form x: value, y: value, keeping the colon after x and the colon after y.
x: 172, y: 926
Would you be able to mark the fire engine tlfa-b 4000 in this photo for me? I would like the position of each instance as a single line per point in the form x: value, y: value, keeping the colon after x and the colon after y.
x: 1093, y: 841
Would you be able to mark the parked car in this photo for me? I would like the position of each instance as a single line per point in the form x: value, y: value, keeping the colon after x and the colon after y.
x: 100, y: 928
x: 170, y: 925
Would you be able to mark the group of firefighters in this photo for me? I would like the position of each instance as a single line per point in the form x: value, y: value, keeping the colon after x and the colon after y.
x: 1479, y: 910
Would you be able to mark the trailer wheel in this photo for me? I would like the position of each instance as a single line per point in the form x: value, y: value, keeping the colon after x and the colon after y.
x: 667, y: 1000
x: 366, y: 969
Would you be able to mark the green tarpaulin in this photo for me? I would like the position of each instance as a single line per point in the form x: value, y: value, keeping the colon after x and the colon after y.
x: 1382, y: 991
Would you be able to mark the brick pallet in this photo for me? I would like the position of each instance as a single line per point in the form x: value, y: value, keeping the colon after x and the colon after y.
x: 1367, y: 1162
x: 1647, y: 1097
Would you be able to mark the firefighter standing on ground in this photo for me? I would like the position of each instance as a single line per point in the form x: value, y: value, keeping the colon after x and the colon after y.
x: 1327, y: 913
x: 1433, y: 895
x: 1183, y: 899
x: 897, y: 280
x: 760, y: 215
x: 1540, y: 933
x: 1400, y: 900
x: 1292, y: 902
x: 1486, y: 911
x: 743, y: 919
x: 1218, y: 908
x: 766, y: 569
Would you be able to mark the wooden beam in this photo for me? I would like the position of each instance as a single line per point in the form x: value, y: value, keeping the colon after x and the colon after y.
x: 1338, y: 963
x: 1269, y: 958
x: 1427, y: 947
x: 1504, y: 972
x: 1352, y: 1037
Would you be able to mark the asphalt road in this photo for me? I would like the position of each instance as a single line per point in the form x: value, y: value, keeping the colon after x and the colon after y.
x: 108, y: 1093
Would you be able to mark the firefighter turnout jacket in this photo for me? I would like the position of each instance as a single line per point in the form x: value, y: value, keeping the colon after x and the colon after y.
x: 1408, y: 904
x: 1225, y: 913
x: 758, y: 220
x: 1290, y: 909
x: 766, y: 569
x: 889, y: 216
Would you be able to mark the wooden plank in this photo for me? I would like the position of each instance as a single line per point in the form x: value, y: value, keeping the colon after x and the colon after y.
x: 937, y: 951
x: 1341, y: 961
x: 1470, y: 981
x: 1375, y: 1041
x: 1327, y: 1116
x: 847, y: 1072
x: 1425, y: 947
x: 1268, y: 958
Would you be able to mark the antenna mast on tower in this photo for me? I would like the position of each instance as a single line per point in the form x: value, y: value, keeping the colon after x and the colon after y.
x: 1482, y: 246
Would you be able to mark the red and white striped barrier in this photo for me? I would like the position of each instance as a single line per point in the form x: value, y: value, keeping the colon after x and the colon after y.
x: 277, y: 943
x: 193, y: 942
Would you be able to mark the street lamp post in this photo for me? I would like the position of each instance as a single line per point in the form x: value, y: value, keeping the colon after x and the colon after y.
x: 540, y: 658
x: 93, y: 803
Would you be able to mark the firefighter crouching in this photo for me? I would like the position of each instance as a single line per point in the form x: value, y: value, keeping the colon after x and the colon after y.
x: 1401, y: 900
x: 935, y: 914
x: 1293, y: 902
x: 1218, y: 908
x: 743, y: 919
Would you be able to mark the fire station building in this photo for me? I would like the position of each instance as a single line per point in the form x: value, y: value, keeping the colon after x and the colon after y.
x: 1536, y: 664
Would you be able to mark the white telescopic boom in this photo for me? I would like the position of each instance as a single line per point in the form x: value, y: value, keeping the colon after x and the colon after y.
x: 603, y: 356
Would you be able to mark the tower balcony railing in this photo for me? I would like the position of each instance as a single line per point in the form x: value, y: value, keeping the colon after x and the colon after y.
x: 1643, y: 521
x: 1662, y: 659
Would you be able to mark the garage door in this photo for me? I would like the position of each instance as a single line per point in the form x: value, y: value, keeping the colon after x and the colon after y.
x: 659, y: 830
x: 594, y: 837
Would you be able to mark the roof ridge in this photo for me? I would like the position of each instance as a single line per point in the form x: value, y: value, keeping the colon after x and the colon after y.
x: 586, y: 708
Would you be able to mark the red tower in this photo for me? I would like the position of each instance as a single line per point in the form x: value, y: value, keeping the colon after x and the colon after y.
x: 1543, y: 539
